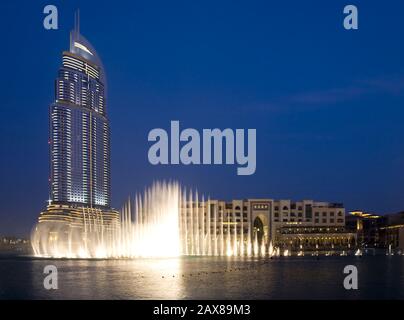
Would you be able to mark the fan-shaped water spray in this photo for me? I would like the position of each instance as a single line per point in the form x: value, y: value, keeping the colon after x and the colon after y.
x: 165, y: 221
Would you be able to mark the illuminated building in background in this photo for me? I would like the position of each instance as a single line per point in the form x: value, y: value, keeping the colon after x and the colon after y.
x: 393, y: 231
x: 377, y: 231
x: 79, y: 129
x: 79, y: 139
x: 367, y: 227
x: 233, y: 227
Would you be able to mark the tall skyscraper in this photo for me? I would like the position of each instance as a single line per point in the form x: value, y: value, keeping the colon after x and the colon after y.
x: 79, y: 141
x: 79, y: 129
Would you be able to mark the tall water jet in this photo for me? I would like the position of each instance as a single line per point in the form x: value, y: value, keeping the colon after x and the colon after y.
x: 155, y: 233
x: 262, y: 251
x: 249, y: 244
x: 271, y: 251
x: 229, y: 251
x: 256, y: 247
x: 390, y: 253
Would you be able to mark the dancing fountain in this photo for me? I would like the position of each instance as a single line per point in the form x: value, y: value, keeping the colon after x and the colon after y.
x: 208, y: 232
x: 148, y: 227
x: 166, y: 221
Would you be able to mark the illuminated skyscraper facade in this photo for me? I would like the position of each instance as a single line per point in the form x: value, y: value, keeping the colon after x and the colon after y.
x: 78, y: 220
x: 79, y: 129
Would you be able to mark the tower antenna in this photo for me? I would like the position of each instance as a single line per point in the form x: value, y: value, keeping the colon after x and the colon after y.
x: 77, y: 21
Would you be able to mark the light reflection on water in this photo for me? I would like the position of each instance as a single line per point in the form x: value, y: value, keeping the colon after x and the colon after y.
x: 204, y: 278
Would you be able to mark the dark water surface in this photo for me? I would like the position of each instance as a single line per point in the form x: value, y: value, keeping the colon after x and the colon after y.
x: 380, y: 277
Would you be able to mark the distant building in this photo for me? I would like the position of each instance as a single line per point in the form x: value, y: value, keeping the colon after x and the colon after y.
x: 377, y: 231
x: 368, y: 228
x: 393, y: 231
x: 15, y: 245
x: 304, y: 225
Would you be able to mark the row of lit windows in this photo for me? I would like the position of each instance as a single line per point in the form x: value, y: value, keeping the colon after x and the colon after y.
x: 80, y: 65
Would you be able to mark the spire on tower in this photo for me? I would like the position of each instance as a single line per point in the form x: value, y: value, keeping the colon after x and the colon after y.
x: 77, y: 21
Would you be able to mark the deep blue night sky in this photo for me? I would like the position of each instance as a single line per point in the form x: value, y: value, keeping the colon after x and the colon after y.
x: 328, y: 104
